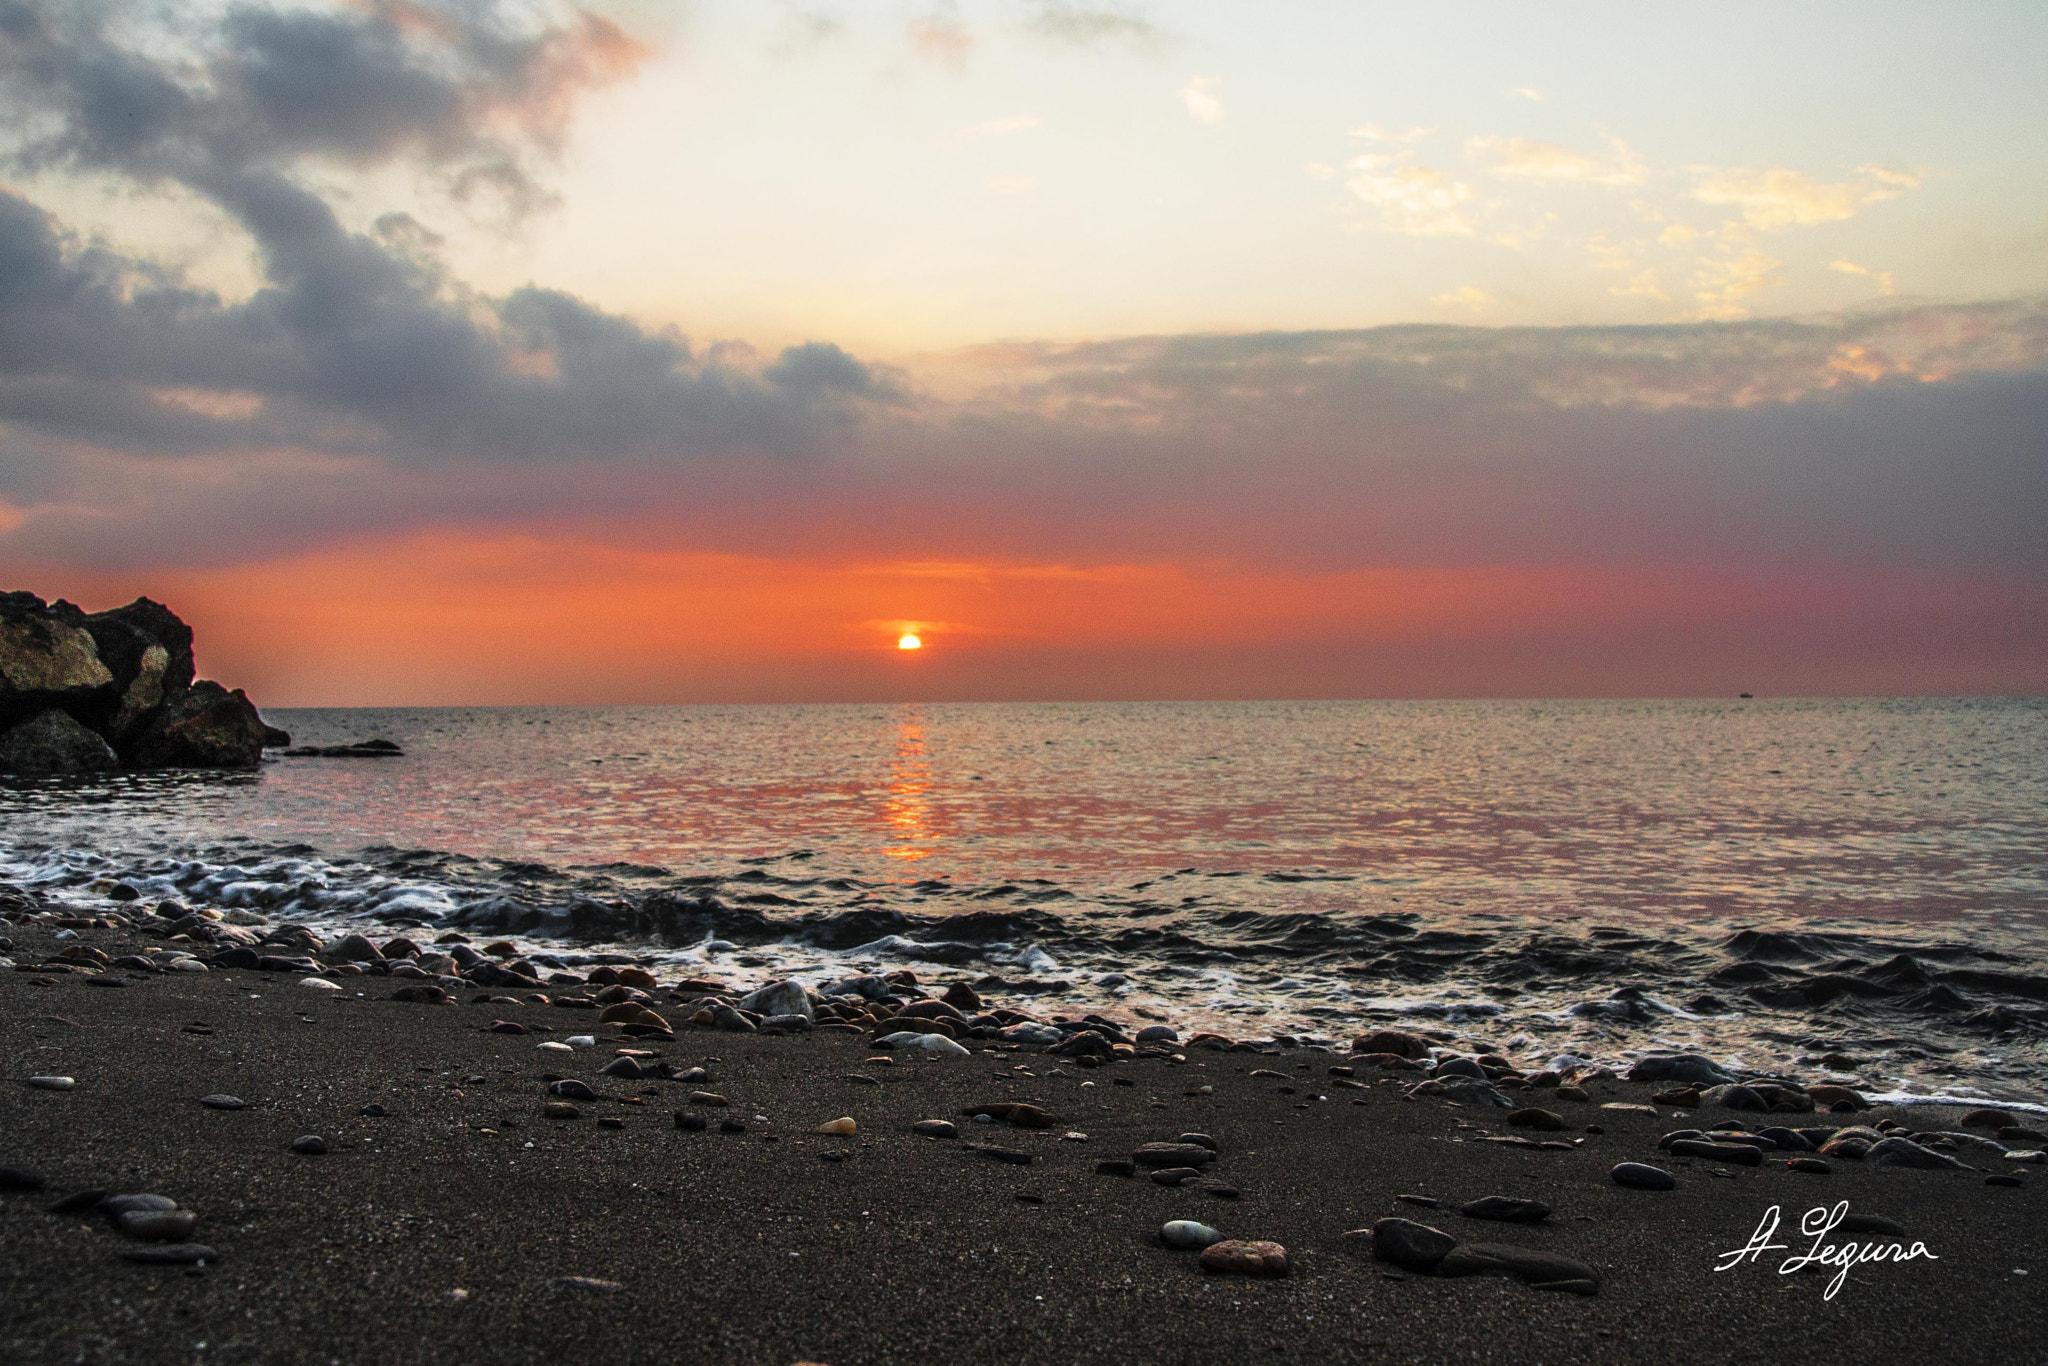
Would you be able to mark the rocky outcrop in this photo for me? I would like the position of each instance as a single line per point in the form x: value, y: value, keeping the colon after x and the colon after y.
x: 51, y: 742
x: 47, y: 660
x: 87, y: 692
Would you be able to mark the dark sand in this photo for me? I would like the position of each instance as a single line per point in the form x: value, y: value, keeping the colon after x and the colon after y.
x: 731, y: 1248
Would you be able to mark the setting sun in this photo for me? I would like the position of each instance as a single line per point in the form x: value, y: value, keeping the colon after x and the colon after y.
x: 909, y: 642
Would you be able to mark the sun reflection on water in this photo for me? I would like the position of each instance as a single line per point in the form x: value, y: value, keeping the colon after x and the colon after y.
x: 907, y: 806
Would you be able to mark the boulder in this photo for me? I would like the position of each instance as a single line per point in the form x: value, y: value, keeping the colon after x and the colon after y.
x: 48, y: 659
x: 52, y: 743
x: 204, y: 726
x: 149, y: 652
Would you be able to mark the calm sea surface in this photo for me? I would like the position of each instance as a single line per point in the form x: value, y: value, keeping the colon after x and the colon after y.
x: 1286, y: 867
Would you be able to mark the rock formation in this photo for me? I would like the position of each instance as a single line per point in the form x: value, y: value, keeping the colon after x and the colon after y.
x: 91, y: 692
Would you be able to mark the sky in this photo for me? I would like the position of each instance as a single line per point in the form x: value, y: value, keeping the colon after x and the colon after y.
x: 514, y: 351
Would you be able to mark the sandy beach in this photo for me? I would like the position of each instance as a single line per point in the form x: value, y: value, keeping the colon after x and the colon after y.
x: 462, y: 1224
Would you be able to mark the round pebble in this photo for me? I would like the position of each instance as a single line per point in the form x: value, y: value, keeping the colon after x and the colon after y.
x: 843, y: 1127
x: 312, y: 1145
x: 1188, y: 1235
x: 695, y: 1123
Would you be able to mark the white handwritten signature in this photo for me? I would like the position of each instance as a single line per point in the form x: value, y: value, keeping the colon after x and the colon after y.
x: 1816, y: 1224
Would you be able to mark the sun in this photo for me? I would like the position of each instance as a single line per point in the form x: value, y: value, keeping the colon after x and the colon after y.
x: 909, y: 642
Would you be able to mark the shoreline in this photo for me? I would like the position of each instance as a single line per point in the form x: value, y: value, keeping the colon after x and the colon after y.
x: 752, y: 1246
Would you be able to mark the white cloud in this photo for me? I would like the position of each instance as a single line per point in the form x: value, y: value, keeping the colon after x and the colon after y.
x: 1470, y: 297
x: 1199, y: 95
x: 1526, y: 159
x: 1524, y: 92
x: 1416, y: 201
x: 1643, y: 284
x: 1372, y: 132
x: 1887, y: 285
x: 1848, y: 268
x: 1723, y: 284
x: 994, y: 128
x: 1781, y: 198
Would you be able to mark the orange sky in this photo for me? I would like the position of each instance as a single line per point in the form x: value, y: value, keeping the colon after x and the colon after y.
x: 436, y: 618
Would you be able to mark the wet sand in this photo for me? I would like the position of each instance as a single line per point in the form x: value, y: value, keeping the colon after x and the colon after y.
x: 752, y: 1248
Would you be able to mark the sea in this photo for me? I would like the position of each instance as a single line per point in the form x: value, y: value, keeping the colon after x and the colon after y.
x: 1845, y: 889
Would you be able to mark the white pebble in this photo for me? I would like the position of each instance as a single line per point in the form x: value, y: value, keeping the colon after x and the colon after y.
x: 52, y: 1083
x: 1186, y: 1233
x: 319, y: 984
x: 582, y: 1041
x: 552, y: 1047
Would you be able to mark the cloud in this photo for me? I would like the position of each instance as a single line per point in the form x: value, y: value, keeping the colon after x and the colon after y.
x: 353, y: 342
x: 1524, y: 92
x: 994, y: 128
x: 1468, y: 297
x: 1372, y: 132
x: 1199, y: 95
x: 1780, y: 198
x: 941, y: 39
x: 1525, y: 159
x: 1415, y: 201
x: 1097, y: 25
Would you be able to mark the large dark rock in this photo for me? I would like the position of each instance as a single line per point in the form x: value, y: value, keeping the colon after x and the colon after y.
x: 204, y: 726
x: 149, y: 652
x: 52, y: 742
x: 48, y: 659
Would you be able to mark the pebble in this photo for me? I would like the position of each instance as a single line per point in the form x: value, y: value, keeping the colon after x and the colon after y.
x: 118, y: 1205
x: 509, y: 1027
x: 1405, y: 1243
x: 1642, y: 1176
x: 1871, y: 1223
x: 2004, y: 1179
x: 560, y: 1109
x: 711, y: 1098
x: 732, y: 1126
x: 1200, y: 1141
x: 693, y: 1076
x: 581, y: 1041
x: 1246, y: 1258
x: 552, y: 1047
x: 1172, y: 1155
x: 1426, y: 1201
x: 311, y: 1145
x: 224, y: 1102
x: 611, y: 1122
x: 591, y: 1283
x: 1173, y: 1176
x: 1187, y: 1235
x: 627, y: 1068
x: 21, y: 1179
x: 695, y: 1123
x: 174, y: 1254
x: 1546, y: 1269
x: 159, y: 1225
x: 1809, y: 1164
x: 1222, y: 1192
x: 571, y: 1089
x: 935, y: 1128
x: 78, y: 1202
x: 1073, y: 1136
x: 319, y: 984
x: 1015, y: 1156
x: 53, y: 1083
x: 373, y: 1111
x: 1740, y: 1154
x: 843, y: 1127
x: 1537, y: 1119
x: 1506, y: 1209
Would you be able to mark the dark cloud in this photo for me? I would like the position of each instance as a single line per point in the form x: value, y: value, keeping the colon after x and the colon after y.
x: 354, y: 342
x: 1095, y: 25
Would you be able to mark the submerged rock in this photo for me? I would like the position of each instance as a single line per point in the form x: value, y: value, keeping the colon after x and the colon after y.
x: 51, y: 742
